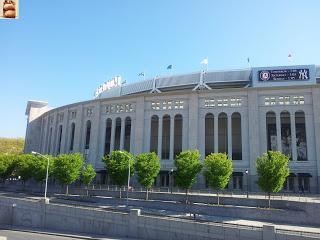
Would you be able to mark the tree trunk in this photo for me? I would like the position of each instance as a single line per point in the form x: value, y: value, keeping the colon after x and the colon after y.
x: 187, y: 200
x: 67, y: 191
x: 87, y: 190
x: 269, y: 194
x: 120, y: 191
x: 147, y: 194
x: 218, y: 198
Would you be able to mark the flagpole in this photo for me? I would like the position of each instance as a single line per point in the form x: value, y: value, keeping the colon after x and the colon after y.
x: 207, y: 63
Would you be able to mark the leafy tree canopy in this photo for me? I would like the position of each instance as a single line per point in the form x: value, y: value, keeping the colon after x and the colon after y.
x: 217, y: 170
x: 147, y: 167
x: 272, y: 169
x: 24, y: 166
x: 39, y: 167
x: 188, y: 166
x: 7, y: 165
x: 117, y: 164
x: 88, y: 174
x: 67, y: 167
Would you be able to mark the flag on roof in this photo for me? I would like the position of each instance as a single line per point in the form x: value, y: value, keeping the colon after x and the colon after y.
x: 141, y: 74
x: 204, y: 61
x: 290, y: 56
x: 169, y: 67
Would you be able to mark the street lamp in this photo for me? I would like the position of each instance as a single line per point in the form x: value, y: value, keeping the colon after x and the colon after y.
x: 128, y: 182
x: 47, y: 174
x: 171, y: 172
x: 247, y: 176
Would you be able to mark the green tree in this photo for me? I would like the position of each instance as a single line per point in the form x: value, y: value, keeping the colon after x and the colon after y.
x: 188, y: 166
x: 7, y: 165
x: 117, y: 166
x: 217, y: 171
x: 24, y: 166
x: 147, y: 167
x: 272, y: 169
x: 67, y: 168
x: 39, y: 167
x: 11, y: 145
x: 87, y: 175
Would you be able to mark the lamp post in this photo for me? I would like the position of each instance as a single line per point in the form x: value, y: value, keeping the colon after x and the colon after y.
x: 47, y: 174
x: 128, y: 182
x: 171, y: 172
x: 247, y: 176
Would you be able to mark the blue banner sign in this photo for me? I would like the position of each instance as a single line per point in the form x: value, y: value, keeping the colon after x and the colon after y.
x: 284, y: 74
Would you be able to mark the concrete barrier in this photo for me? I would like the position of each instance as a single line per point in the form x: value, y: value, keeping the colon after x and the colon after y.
x: 33, y: 214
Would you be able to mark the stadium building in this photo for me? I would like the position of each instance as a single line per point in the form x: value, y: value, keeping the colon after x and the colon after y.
x: 243, y: 113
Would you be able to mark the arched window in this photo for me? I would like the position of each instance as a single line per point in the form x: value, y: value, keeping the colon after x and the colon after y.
x: 73, y: 126
x: 178, y: 121
x: 154, y: 134
x: 271, y: 131
x: 107, y: 140
x: 165, y: 153
x: 59, y: 138
x: 301, y: 136
x: 127, y: 134
x: 286, y: 134
x: 236, y: 136
x: 88, y: 133
x: 117, y: 134
x: 223, y: 133
x: 209, y: 134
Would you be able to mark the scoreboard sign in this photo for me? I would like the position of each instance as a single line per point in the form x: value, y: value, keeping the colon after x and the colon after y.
x: 284, y: 74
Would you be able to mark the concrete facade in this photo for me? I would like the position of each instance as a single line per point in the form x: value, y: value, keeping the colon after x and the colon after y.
x: 192, y: 98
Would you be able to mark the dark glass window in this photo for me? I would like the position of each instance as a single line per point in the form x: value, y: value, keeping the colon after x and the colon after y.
x: 49, y: 141
x: 73, y: 126
x: 107, y: 137
x: 88, y: 133
x: 301, y: 138
x: 223, y: 133
x: 59, y: 138
x: 154, y: 134
x: 165, y: 153
x: 236, y: 136
x: 271, y: 131
x: 178, y: 121
x: 209, y: 134
x: 127, y: 134
x: 286, y: 133
x: 117, y: 134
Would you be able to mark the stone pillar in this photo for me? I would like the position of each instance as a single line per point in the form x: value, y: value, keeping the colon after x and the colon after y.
x: 185, y: 132
x: 133, y: 222
x: 269, y: 232
x: 263, y: 133
x: 216, y: 129
x: 139, y: 126
x: 202, y: 134
x: 278, y: 125
x: 254, y: 131
x: 122, y: 133
x: 193, y: 121
x: 316, y: 121
x: 229, y: 137
x: 132, y: 135
x: 113, y: 131
x: 171, y: 137
x: 94, y: 153
x: 160, y: 137
x: 147, y: 134
x: 293, y: 137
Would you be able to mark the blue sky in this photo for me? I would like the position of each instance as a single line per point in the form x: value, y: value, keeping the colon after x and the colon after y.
x: 60, y: 51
